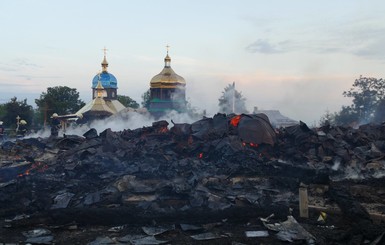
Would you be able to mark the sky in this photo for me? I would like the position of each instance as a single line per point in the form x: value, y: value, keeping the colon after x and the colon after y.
x: 294, y: 56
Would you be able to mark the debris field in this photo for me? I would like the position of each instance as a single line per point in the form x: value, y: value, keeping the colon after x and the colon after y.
x: 229, y: 179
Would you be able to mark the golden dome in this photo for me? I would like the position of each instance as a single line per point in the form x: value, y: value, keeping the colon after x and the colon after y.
x: 167, y: 78
x: 167, y: 59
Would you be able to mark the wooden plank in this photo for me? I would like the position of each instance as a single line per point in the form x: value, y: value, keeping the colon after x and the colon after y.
x: 303, y: 202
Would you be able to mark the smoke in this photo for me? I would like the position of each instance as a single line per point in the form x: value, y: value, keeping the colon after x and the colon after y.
x: 336, y: 165
x: 349, y: 173
x: 126, y: 119
x: 379, y: 174
x: 178, y: 95
x: 232, y: 101
x: 354, y: 173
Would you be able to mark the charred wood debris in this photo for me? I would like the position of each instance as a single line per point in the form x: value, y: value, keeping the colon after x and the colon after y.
x: 223, y: 180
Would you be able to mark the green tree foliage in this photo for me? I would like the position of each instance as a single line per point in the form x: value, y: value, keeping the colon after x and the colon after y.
x: 61, y: 100
x: 146, y: 96
x: 379, y: 115
x: 366, y: 94
x: 127, y: 101
x: 232, y: 101
x: 346, y: 116
x: 2, y: 111
x: 15, y: 108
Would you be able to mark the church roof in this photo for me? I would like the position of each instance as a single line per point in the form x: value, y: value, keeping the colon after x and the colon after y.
x: 167, y: 78
x: 101, y: 107
x: 96, y: 105
x: 107, y: 79
x: 277, y: 119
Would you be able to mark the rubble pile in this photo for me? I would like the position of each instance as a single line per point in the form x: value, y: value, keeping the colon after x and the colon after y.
x: 227, y: 171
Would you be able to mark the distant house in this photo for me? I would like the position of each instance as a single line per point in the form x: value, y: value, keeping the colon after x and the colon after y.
x: 276, y: 118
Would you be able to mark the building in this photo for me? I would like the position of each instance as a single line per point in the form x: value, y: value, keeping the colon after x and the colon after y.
x: 167, y: 91
x: 276, y: 118
x: 107, y: 80
x: 104, y: 96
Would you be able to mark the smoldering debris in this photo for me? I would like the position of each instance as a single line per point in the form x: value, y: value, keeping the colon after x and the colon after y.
x: 218, y: 175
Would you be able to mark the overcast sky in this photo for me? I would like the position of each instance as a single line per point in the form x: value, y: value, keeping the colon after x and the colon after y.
x: 294, y: 56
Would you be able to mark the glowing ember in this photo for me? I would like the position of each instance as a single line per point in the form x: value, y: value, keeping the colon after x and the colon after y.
x: 163, y: 130
x: 37, y: 166
x: 235, y: 120
x: 200, y: 155
x: 251, y: 144
x: 27, y: 172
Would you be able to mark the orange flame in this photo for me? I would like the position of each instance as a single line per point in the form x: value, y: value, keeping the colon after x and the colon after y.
x: 38, y: 166
x: 163, y: 130
x: 235, y: 120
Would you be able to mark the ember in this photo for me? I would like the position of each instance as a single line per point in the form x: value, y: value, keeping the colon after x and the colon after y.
x: 163, y: 130
x: 37, y: 166
x: 24, y: 174
x: 251, y: 144
x: 235, y: 120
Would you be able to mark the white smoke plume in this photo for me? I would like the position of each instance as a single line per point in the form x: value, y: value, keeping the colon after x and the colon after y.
x: 232, y: 101
x: 126, y: 119
x: 336, y: 165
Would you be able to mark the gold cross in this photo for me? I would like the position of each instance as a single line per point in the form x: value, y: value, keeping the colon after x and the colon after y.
x: 167, y: 47
x: 105, y: 50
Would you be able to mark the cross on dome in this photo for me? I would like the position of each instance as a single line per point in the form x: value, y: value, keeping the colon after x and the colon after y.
x: 167, y: 47
x: 105, y: 50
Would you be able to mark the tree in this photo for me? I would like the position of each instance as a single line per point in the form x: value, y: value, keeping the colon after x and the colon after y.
x: 367, y: 93
x: 61, y: 100
x: 146, y: 96
x: 2, y: 111
x: 15, y: 108
x: 346, y: 116
x: 327, y: 119
x: 232, y: 101
x: 379, y: 115
x: 127, y: 101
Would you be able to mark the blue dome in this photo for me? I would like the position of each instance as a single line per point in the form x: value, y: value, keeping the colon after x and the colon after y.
x: 106, y: 79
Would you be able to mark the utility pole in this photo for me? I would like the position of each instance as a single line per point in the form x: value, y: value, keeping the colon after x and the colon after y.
x: 17, y: 123
x: 45, y: 113
x: 233, y: 97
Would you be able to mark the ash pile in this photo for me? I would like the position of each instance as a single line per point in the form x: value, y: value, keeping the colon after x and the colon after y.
x: 229, y: 179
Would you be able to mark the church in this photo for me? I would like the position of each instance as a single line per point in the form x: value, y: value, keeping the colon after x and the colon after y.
x: 104, y: 96
x: 167, y: 91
